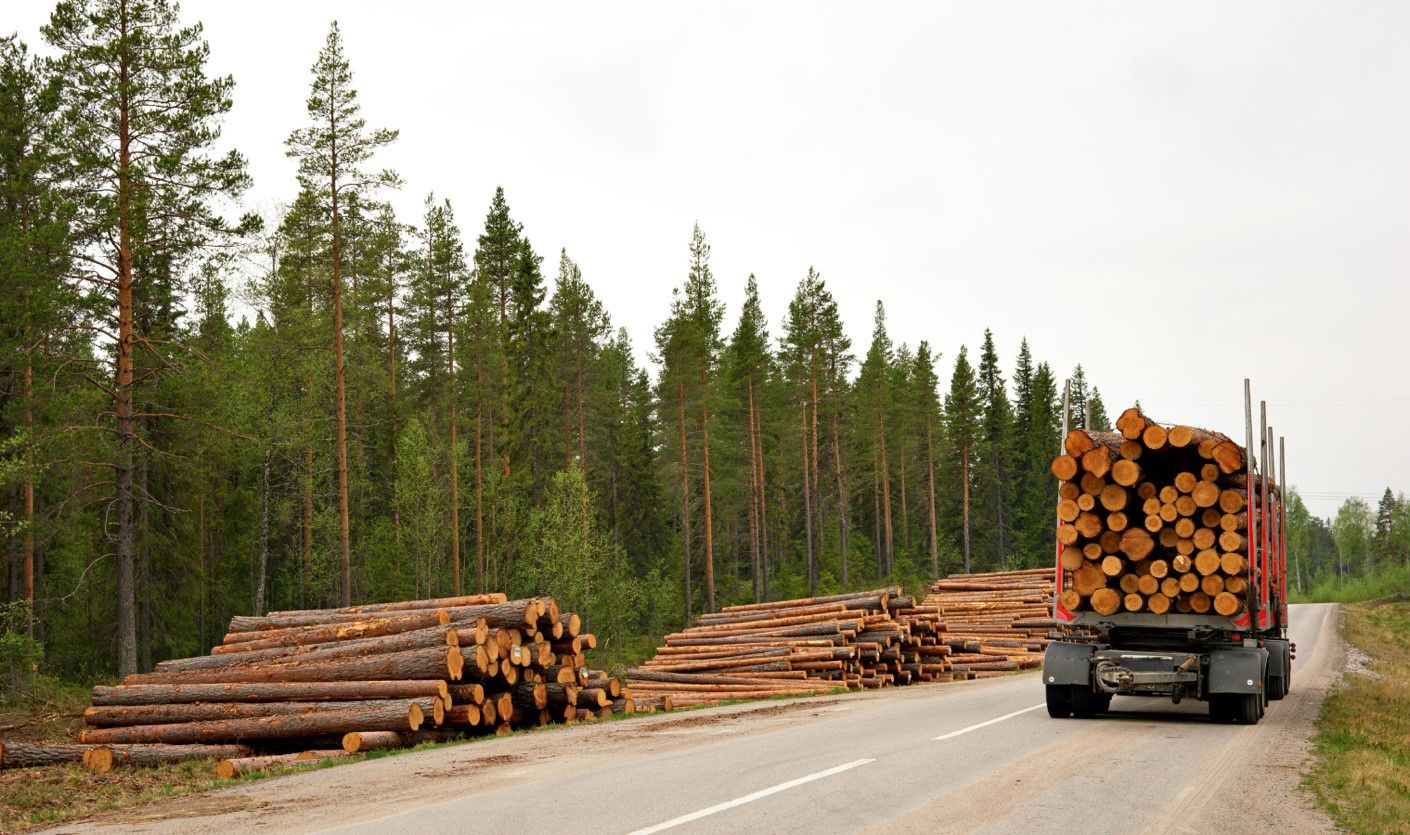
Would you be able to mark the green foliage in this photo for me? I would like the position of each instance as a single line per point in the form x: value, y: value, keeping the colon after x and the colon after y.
x: 20, y: 654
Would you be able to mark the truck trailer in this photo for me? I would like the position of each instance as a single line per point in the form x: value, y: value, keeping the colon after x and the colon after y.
x: 1212, y: 625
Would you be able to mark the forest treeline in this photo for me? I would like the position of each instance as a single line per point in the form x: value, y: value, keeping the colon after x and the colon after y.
x: 202, y: 415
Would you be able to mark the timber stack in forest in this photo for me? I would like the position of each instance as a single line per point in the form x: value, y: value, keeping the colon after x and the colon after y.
x: 312, y: 684
x: 797, y: 647
x: 1153, y: 519
x: 995, y: 623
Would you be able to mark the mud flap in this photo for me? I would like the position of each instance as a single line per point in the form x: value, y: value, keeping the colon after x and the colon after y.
x: 1065, y: 663
x: 1237, y: 670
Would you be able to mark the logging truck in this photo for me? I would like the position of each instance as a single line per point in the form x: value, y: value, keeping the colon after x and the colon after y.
x: 1171, y: 576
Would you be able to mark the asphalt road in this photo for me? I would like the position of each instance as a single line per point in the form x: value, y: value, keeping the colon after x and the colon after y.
x: 973, y: 756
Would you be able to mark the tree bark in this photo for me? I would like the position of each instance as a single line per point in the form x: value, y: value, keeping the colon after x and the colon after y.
x: 454, y: 454
x: 685, y: 493
x: 844, y: 502
x: 101, y: 759
x: 315, y: 722
x: 122, y: 389
x: 263, y: 564
x: 886, y: 499
x: 705, y: 485
x: 433, y: 662
x: 339, y: 371
x: 403, y: 606
x: 754, y: 526
x: 807, y: 511
x: 930, y: 497
x: 311, y: 691
x: 964, y: 477
x: 392, y: 379
x: 129, y: 715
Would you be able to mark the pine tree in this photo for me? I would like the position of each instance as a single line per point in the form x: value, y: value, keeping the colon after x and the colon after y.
x: 331, y: 152
x: 964, y: 432
x: 1079, y: 398
x: 139, y: 118
x: 1098, y: 417
x: 995, y: 472
x: 927, y: 388
x: 497, y: 257
x: 581, y: 327
x: 874, y: 395
x: 750, y: 365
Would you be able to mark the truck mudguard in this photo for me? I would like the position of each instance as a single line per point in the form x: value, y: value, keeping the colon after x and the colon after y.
x: 1278, y: 658
x: 1065, y: 663
x: 1237, y: 669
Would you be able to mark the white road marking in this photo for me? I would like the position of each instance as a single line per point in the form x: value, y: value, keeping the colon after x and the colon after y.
x: 750, y: 798
x: 953, y: 734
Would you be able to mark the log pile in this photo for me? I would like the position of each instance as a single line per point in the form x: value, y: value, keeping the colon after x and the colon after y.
x: 797, y: 647
x: 1153, y: 518
x: 312, y: 684
x: 995, y: 623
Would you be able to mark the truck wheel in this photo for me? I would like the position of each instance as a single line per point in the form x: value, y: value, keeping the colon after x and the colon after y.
x: 1248, y: 708
x: 1059, y: 701
x: 1277, y: 688
x: 1219, y: 711
x: 1084, y: 702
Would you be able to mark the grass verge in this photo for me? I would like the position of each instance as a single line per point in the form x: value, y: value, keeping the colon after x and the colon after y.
x: 1362, y: 751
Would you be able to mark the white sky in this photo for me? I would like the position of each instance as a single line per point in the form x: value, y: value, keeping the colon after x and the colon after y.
x: 1120, y: 182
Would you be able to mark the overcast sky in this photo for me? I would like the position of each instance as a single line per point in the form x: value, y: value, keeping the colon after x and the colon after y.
x: 1176, y: 195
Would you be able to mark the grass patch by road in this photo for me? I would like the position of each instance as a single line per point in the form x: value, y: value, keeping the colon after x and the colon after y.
x: 1362, y: 752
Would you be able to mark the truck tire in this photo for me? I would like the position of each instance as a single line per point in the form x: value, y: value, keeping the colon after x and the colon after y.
x: 1248, y: 708
x: 1059, y: 701
x: 1277, y: 688
x: 1085, y: 703
x: 1103, y: 702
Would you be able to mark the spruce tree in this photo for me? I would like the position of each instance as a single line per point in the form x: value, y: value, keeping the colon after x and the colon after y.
x: 331, y: 152
x: 926, y: 386
x: 749, y: 365
x: 874, y: 395
x: 1099, y: 419
x: 139, y: 118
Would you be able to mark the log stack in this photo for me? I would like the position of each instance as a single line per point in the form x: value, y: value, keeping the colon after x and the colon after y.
x: 995, y: 623
x: 797, y: 647
x: 303, y: 683
x: 1153, y: 518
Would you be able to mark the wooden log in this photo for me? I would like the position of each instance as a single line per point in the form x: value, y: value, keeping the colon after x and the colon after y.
x: 1233, y: 564
x: 1185, y: 482
x: 1148, y: 585
x: 1088, y: 525
x: 1205, y: 494
x: 1086, y: 502
x: 1229, y: 456
x: 1114, y: 497
x: 463, y: 716
x: 1078, y: 442
x: 1070, y: 600
x: 312, y: 691
x: 1133, y: 603
x: 1184, y: 528
x: 1125, y: 472
x: 1227, y: 604
x: 1199, y: 603
x: 1099, y: 459
x: 310, y: 724
x: 1207, y: 562
x: 1112, y: 566
x: 1154, y: 437
x: 1235, y: 585
x: 1189, y: 582
x: 1105, y: 601
x: 1231, y: 541
x: 432, y: 662
x: 331, y: 632
x: 560, y: 695
x: 1110, y: 542
x: 1153, y: 523
x: 118, y: 715
x: 1158, y: 604
x: 403, y: 605
x: 1211, y: 584
x: 434, y: 636
x: 1129, y: 583
x: 1069, y: 490
x: 1136, y: 544
x: 1088, y: 579
x: 358, y: 742
x: 530, y: 695
x: 515, y: 614
x: 1168, y: 538
x: 1231, y: 501
x: 101, y: 759
x: 230, y: 768
x: 1181, y: 563
x: 1067, y: 535
x: 1064, y: 468
x: 33, y: 755
x: 1170, y: 586
x: 1091, y: 484
x: 1132, y: 424
x: 1203, y: 539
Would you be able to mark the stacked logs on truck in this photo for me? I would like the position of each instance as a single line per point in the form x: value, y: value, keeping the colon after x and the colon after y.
x: 1153, y: 519
x: 995, y: 623
x: 796, y: 648
x: 347, y: 680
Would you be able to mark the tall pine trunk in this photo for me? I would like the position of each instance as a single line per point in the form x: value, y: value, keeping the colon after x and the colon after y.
x: 905, y: 512
x: 479, y: 490
x: 754, y: 527
x: 705, y: 484
x: 964, y: 491
x: 122, y: 390
x: 685, y: 494
x: 930, y: 497
x: 262, y: 568
x: 763, y: 503
x: 454, y: 453
x: 808, y: 511
x: 392, y: 377
x: 340, y: 375
x: 886, y: 501
x: 843, y: 501
x: 817, y: 488
x: 28, y: 483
